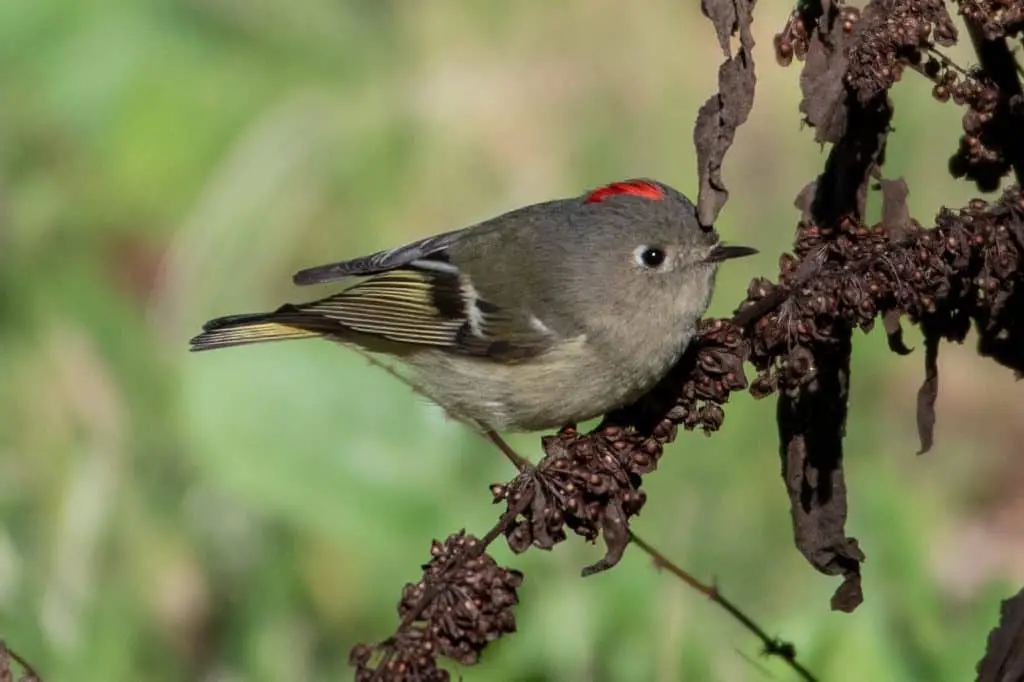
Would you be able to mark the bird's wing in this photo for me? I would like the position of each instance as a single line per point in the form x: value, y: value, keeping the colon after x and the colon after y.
x: 426, y: 254
x: 430, y: 308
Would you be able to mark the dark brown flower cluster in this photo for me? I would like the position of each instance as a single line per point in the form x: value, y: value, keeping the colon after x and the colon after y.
x: 463, y: 602
x: 585, y: 483
x: 590, y: 483
x: 997, y: 18
x: 979, y: 157
x: 983, y: 247
x: 409, y: 656
x: 967, y: 268
x: 891, y: 36
x: 991, y: 145
x: 791, y: 41
x: 712, y: 371
x: 794, y: 39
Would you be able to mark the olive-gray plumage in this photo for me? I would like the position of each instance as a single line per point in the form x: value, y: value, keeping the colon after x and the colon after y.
x: 544, y: 316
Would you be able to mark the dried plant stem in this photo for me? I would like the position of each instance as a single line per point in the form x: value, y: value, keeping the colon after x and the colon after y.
x: 772, y: 646
x: 938, y: 54
x: 758, y: 309
x: 6, y: 656
x: 518, y: 461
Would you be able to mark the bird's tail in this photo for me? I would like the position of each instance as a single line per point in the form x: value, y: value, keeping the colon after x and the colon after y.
x: 239, y: 330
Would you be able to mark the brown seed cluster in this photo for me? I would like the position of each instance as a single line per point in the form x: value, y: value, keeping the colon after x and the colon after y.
x: 714, y: 370
x: 463, y: 602
x: 979, y: 157
x: 967, y: 268
x: 892, y: 36
x: 791, y: 41
x: 984, y: 245
x: 590, y: 483
x: 794, y: 40
x: 998, y: 18
x: 411, y: 656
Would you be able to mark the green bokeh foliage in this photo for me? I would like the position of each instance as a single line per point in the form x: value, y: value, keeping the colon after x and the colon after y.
x: 251, y: 514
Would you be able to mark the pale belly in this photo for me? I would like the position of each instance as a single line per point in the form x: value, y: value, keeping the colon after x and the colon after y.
x: 561, y: 387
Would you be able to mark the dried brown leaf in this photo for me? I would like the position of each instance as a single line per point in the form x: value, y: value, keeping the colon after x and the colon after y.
x: 811, y: 429
x: 821, y: 80
x: 727, y: 109
x: 724, y: 15
x: 895, y: 210
x: 894, y: 333
x: 615, y: 528
x: 1004, y: 653
x: 805, y: 200
x: 928, y: 393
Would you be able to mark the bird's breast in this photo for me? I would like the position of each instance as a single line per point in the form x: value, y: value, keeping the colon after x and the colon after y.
x: 574, y: 381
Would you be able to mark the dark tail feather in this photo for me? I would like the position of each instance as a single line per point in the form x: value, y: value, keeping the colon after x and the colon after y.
x: 241, y: 330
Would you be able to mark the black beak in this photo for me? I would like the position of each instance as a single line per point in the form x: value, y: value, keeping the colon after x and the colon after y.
x: 721, y: 252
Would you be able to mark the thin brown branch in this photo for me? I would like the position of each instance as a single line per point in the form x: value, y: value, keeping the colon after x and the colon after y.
x: 946, y: 60
x: 772, y: 646
x: 6, y: 656
x: 517, y: 460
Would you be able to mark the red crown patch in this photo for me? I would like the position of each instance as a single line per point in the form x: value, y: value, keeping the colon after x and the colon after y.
x: 638, y: 188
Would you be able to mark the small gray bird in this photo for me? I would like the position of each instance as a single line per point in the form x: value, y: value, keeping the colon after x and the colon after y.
x: 545, y: 316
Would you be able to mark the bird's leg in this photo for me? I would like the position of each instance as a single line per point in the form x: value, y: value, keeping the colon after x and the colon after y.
x: 518, y: 461
x: 417, y: 388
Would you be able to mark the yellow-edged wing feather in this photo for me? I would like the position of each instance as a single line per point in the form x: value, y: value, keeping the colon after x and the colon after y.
x: 420, y: 308
x: 403, y: 306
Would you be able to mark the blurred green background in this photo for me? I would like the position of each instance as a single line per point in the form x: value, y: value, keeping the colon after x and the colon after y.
x: 250, y: 514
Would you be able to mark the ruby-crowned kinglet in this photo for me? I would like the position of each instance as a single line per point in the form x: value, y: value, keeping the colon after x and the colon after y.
x: 545, y: 316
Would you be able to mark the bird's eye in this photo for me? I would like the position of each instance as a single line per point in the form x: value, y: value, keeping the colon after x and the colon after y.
x: 649, y: 256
